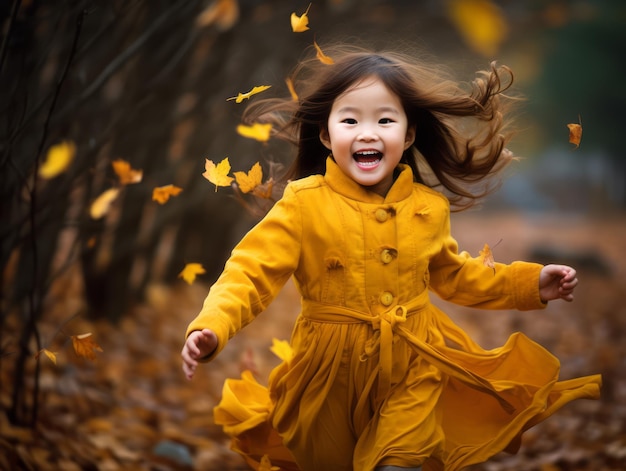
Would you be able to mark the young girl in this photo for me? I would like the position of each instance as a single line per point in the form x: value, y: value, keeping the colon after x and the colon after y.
x: 379, y: 378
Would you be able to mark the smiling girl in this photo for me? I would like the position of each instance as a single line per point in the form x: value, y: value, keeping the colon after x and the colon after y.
x: 379, y: 378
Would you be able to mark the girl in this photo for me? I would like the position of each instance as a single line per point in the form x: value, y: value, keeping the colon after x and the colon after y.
x: 379, y: 378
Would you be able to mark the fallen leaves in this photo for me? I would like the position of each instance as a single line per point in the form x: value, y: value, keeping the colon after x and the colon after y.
x: 244, y: 96
x: 100, y: 207
x: 323, y: 58
x: 125, y: 173
x: 58, y: 159
x: 259, y: 131
x: 486, y: 256
x: 218, y: 174
x: 249, y: 181
x: 299, y: 24
x: 162, y: 194
x: 85, y: 346
x: 575, y: 133
x: 190, y: 271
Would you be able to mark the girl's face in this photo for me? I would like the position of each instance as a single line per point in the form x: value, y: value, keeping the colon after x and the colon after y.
x: 367, y: 134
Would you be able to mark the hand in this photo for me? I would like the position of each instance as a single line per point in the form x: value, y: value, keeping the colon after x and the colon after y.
x: 199, y: 344
x: 557, y: 282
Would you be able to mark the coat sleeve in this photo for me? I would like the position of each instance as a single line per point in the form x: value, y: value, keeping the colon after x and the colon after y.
x: 464, y: 280
x: 257, y: 269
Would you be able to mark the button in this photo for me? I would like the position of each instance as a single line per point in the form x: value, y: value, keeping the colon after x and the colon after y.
x: 381, y: 215
x: 386, y: 299
x: 386, y: 256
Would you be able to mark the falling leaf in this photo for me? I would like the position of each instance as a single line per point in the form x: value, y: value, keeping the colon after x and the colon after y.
x: 258, y: 131
x: 218, y: 174
x: 85, y: 346
x: 292, y: 89
x: 59, y: 158
x: 481, y: 24
x: 223, y: 13
x: 487, y: 257
x: 265, y: 190
x: 323, y: 58
x: 161, y: 194
x: 190, y: 272
x: 249, y: 181
x: 102, y: 204
x: 282, y: 349
x: 125, y: 173
x: 244, y: 96
x: 575, y: 132
x: 299, y: 24
x: 266, y: 465
x: 51, y: 355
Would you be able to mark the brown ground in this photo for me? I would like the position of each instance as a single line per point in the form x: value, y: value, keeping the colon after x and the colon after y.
x: 123, y: 410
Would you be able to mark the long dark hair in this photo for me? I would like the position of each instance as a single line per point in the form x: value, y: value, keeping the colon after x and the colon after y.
x: 460, y: 128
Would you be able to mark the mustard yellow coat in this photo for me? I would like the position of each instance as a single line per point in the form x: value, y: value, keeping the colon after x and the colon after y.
x: 378, y: 375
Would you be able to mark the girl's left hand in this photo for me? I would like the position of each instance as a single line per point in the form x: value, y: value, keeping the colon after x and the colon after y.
x: 557, y: 282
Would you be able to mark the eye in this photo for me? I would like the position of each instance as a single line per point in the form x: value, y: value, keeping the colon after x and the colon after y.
x: 349, y: 120
x: 385, y: 120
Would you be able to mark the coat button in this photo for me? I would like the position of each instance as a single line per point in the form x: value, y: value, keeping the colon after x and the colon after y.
x: 386, y: 299
x: 386, y: 256
x: 381, y: 215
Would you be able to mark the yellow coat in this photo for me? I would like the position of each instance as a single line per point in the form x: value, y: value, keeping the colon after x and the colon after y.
x: 378, y: 374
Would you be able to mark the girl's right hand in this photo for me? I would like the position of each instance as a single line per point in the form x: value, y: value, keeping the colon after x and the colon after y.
x: 199, y: 344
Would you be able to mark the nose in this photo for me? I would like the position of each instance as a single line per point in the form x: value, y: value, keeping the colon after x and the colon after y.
x: 366, y: 134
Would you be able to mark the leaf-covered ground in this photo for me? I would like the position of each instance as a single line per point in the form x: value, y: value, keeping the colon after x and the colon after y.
x: 133, y: 410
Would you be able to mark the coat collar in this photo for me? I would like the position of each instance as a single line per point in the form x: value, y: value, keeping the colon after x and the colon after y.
x: 345, y: 186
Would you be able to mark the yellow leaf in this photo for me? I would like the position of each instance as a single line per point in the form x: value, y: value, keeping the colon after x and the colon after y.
x: 266, y: 465
x: 323, y: 58
x: 249, y: 181
x: 85, y: 346
x: 299, y: 24
x: 223, y: 13
x: 575, y: 133
x: 100, y: 207
x: 243, y: 96
x: 218, y: 174
x: 481, y: 24
x: 125, y: 173
x: 51, y: 355
x: 292, y: 89
x: 161, y: 194
x: 59, y: 158
x: 259, y: 131
x: 190, y: 272
x: 487, y: 257
x: 282, y: 349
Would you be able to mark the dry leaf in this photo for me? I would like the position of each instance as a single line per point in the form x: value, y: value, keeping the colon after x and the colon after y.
x: 249, y: 181
x: 259, y: 131
x: 218, y: 174
x: 487, y: 257
x: 58, y: 159
x: 223, y: 13
x: 190, y: 272
x: 265, y: 190
x: 51, y: 355
x: 102, y: 204
x: 575, y: 132
x: 299, y: 24
x: 244, y: 96
x: 292, y: 89
x: 161, y: 194
x: 266, y: 465
x: 323, y: 58
x: 125, y: 173
x: 85, y: 346
x: 282, y: 349
x: 481, y: 23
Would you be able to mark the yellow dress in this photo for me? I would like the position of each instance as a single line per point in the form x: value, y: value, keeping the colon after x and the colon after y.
x: 378, y: 375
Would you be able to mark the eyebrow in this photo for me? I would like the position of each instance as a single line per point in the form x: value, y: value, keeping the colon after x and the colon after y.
x: 383, y: 109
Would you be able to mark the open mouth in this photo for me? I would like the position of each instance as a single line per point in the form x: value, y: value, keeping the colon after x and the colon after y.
x: 367, y: 158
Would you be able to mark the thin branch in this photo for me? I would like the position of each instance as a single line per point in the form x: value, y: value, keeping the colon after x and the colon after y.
x: 7, y: 38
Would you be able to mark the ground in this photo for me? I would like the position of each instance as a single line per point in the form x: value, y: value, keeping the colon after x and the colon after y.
x: 132, y: 409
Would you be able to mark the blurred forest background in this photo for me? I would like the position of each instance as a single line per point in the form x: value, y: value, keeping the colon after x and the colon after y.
x: 147, y: 82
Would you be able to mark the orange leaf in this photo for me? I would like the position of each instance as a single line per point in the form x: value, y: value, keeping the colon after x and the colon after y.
x: 102, y: 203
x: 323, y: 58
x: 292, y: 90
x: 51, y: 355
x: 264, y: 190
x: 223, y: 13
x: 85, y: 346
x: 243, y: 96
x: 259, y: 131
x: 481, y: 24
x: 125, y: 173
x: 218, y: 174
x: 58, y: 159
x: 299, y: 24
x: 190, y: 272
x: 487, y: 257
x: 575, y: 133
x: 161, y: 194
x: 249, y: 181
x: 282, y: 349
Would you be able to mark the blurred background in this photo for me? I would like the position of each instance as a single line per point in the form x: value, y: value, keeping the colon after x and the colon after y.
x: 147, y: 82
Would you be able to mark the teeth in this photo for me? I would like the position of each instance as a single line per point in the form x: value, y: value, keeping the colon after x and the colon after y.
x: 368, y: 152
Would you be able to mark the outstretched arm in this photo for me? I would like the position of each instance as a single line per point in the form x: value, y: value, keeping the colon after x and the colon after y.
x: 557, y: 282
x: 199, y: 344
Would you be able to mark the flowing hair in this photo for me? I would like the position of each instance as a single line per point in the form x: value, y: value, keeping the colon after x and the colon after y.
x: 461, y: 131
